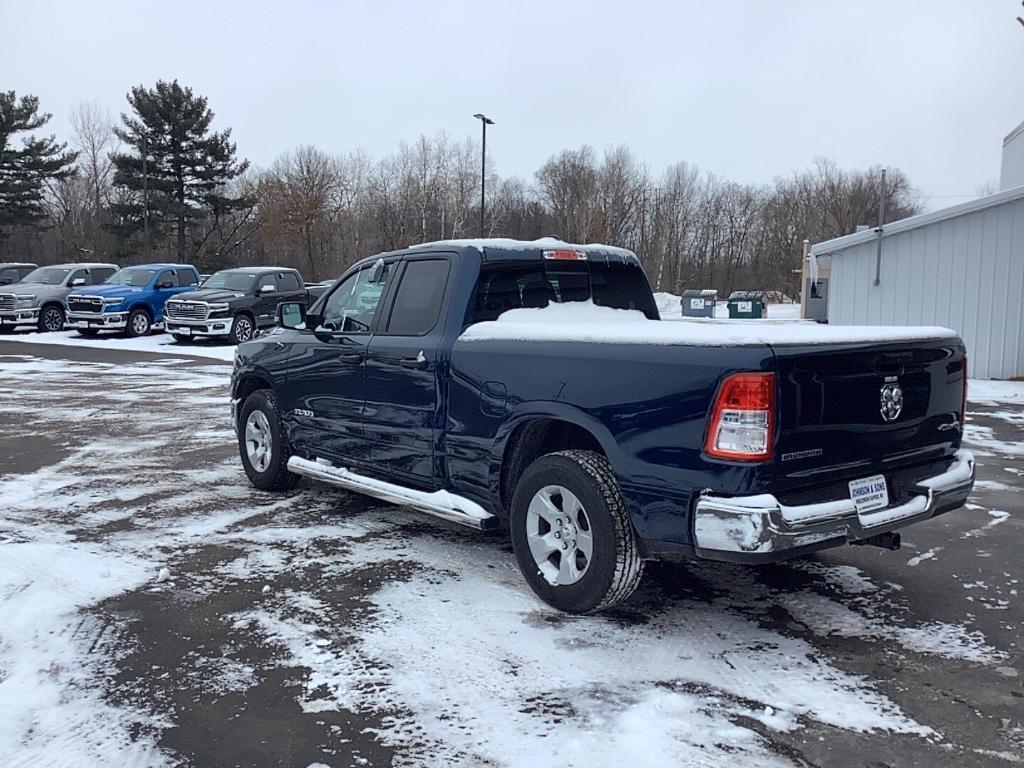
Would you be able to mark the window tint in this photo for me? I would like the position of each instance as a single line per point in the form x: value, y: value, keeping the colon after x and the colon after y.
x: 350, y: 308
x: 501, y: 287
x: 102, y: 274
x: 8, y: 276
x: 287, y: 281
x: 266, y: 280
x: 418, y: 301
x: 186, y: 277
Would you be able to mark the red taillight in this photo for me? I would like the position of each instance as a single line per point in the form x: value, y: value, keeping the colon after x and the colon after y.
x: 743, y: 418
x: 963, y: 398
x: 566, y: 255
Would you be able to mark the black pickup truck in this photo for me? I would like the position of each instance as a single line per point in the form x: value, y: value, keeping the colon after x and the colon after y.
x: 533, y: 386
x: 236, y: 303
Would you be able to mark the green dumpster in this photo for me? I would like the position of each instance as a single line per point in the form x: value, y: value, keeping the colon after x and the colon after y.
x: 746, y: 305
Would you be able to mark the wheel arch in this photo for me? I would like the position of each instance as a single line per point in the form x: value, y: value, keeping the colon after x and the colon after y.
x: 530, y: 435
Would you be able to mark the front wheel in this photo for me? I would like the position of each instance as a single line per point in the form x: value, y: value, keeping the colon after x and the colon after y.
x: 51, y: 319
x: 572, y: 536
x: 139, y: 323
x: 242, y: 329
x: 262, y: 443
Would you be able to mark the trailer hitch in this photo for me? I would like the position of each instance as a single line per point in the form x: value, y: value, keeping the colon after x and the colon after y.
x: 888, y: 540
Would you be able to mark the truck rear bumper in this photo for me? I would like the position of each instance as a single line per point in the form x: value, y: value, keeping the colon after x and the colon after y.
x: 760, y: 529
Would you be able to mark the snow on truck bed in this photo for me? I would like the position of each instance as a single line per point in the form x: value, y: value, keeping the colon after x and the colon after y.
x: 585, y: 322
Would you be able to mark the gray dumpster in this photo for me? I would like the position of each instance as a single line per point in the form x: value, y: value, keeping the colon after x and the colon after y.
x: 699, y: 302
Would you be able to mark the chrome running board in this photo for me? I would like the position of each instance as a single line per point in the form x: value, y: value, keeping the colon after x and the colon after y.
x: 442, y: 504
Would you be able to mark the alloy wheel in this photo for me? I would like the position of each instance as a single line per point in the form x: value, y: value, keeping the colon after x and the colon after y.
x: 258, y: 440
x: 559, y: 535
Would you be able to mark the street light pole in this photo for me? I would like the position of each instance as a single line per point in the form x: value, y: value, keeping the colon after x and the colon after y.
x: 484, y: 122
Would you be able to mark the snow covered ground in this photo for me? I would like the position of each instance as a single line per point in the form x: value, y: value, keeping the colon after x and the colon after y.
x: 157, y: 342
x: 157, y: 610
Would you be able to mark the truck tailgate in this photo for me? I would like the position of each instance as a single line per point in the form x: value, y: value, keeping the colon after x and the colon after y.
x: 850, y: 411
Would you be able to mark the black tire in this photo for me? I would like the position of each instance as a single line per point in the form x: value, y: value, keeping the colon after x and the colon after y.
x: 88, y: 332
x: 275, y: 477
x: 243, y: 328
x: 51, y: 319
x: 136, y: 327
x: 615, y: 569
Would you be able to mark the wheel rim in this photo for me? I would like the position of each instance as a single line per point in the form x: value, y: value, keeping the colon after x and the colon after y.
x: 140, y: 324
x: 258, y: 440
x: 243, y: 329
x: 559, y: 535
x: 53, y: 320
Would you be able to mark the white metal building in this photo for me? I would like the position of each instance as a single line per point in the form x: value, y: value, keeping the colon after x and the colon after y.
x: 961, y: 267
x: 1012, y: 173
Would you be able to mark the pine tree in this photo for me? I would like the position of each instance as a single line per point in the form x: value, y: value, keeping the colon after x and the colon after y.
x: 25, y: 170
x: 179, y: 168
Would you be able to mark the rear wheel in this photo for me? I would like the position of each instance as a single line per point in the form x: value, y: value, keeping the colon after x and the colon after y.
x: 139, y: 323
x: 571, y: 533
x: 51, y: 319
x: 242, y: 329
x: 262, y: 443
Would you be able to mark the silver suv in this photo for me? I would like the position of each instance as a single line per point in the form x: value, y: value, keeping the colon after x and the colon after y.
x: 38, y: 299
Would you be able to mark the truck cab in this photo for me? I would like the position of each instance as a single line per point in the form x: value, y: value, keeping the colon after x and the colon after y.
x: 131, y: 301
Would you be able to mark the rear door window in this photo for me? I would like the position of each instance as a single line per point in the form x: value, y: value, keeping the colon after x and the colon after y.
x: 287, y: 281
x: 187, y: 277
x: 417, y: 304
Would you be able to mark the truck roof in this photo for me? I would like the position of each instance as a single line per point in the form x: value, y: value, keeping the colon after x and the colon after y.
x: 160, y: 265
x: 83, y: 265
x: 259, y: 269
x: 507, y: 249
x: 7, y: 264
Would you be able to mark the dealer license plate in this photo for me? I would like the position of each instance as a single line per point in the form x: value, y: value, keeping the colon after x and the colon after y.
x: 870, y: 493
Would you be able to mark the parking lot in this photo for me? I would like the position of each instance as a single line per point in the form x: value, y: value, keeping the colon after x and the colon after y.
x: 160, y: 611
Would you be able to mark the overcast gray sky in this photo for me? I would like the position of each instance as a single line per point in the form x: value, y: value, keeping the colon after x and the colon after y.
x: 746, y: 90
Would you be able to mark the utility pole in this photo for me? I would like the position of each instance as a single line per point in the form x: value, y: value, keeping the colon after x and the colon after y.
x: 145, y: 192
x: 484, y: 122
x: 881, y: 225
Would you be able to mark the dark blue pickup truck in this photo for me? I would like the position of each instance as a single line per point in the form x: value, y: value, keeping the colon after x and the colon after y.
x: 532, y: 386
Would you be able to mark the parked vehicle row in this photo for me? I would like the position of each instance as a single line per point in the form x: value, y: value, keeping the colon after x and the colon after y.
x: 234, y: 304
x: 492, y: 383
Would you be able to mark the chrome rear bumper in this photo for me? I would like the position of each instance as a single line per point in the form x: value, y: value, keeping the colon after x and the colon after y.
x: 762, y: 529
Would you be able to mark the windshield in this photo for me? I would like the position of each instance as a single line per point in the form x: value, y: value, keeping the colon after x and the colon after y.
x: 134, y: 277
x: 47, y: 275
x: 231, y: 281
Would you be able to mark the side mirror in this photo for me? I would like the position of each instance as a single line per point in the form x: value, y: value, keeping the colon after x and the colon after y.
x: 164, y: 285
x: 291, y: 314
x: 267, y: 289
x: 78, y: 281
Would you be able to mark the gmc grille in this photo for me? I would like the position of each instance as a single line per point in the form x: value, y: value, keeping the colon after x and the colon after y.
x: 6, y: 301
x: 187, y: 310
x: 88, y: 304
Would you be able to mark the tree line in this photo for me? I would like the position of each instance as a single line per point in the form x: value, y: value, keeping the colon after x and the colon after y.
x: 160, y: 183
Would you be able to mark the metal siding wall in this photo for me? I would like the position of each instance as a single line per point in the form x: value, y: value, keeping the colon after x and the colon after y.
x: 1012, y: 171
x: 966, y: 273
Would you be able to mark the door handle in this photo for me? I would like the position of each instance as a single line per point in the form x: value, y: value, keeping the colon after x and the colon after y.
x: 418, y: 363
x: 354, y: 357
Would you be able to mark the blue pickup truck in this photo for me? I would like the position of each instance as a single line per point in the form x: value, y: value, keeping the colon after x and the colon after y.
x: 533, y: 387
x: 131, y: 300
